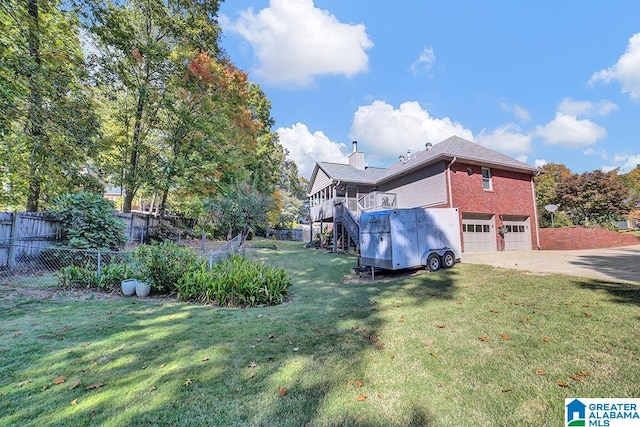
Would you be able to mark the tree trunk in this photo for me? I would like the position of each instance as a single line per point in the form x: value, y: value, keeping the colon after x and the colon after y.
x: 131, y: 184
x: 34, y: 127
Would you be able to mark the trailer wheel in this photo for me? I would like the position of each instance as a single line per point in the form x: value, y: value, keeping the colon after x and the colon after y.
x: 448, y: 259
x: 433, y: 262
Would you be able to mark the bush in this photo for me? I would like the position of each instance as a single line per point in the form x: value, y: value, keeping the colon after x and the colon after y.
x: 235, y: 281
x: 109, y: 279
x: 163, y: 264
x: 73, y: 276
x: 88, y: 222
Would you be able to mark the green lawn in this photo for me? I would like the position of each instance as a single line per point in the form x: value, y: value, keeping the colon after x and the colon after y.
x: 468, y: 346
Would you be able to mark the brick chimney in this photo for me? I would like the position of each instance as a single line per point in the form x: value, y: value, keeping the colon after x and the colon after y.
x: 356, y: 158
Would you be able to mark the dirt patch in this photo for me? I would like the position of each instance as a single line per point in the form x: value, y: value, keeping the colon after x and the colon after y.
x: 10, y: 292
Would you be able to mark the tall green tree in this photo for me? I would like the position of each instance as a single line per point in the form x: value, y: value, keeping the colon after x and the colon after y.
x: 48, y: 126
x: 140, y: 45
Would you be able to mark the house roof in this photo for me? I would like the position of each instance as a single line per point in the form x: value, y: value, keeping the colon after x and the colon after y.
x: 348, y: 173
x: 463, y: 151
x: 451, y: 148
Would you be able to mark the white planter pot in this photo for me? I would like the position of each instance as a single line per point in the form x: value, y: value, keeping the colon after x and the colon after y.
x: 142, y: 289
x: 129, y: 287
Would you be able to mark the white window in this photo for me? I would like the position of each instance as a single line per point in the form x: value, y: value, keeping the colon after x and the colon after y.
x: 486, y: 179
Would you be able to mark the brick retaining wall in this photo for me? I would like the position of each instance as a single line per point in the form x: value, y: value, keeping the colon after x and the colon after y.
x: 584, y: 238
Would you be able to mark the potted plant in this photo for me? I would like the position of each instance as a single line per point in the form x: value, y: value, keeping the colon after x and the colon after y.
x: 142, y: 288
x: 129, y: 287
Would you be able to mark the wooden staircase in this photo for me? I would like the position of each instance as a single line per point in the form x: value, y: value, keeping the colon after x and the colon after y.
x: 346, y: 229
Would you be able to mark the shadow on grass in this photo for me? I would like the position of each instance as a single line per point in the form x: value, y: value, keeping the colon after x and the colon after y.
x: 620, y: 293
x: 167, y: 363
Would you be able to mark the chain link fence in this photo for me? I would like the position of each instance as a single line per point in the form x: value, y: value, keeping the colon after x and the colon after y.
x: 56, y: 266
x: 43, y: 267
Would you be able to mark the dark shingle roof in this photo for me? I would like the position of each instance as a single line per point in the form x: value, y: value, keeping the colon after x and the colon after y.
x: 347, y: 173
x: 453, y: 147
x: 464, y: 151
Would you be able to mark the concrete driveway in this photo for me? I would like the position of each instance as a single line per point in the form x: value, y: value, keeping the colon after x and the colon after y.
x: 616, y: 264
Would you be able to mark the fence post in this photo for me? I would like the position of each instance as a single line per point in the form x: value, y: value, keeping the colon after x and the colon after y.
x: 13, y: 239
x: 99, y: 263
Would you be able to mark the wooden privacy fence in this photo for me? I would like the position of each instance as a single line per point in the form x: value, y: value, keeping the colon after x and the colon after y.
x: 25, y: 235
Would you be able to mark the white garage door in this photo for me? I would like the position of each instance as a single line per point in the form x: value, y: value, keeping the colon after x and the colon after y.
x: 518, y: 235
x: 478, y: 233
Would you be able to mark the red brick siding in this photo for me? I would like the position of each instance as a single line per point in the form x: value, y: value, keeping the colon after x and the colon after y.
x: 583, y: 238
x: 511, y: 194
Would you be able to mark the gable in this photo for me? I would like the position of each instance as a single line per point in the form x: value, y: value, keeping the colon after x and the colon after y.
x: 321, y: 180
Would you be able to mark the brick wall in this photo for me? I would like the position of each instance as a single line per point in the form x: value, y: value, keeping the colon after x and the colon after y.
x: 512, y: 194
x: 584, y: 238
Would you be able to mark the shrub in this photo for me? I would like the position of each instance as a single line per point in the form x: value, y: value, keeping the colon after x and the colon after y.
x: 109, y: 279
x: 88, y: 222
x: 235, y: 281
x: 72, y: 276
x: 162, y: 264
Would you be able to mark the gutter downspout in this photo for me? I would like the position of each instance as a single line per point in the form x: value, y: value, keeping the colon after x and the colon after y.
x: 449, y: 181
x: 535, y: 211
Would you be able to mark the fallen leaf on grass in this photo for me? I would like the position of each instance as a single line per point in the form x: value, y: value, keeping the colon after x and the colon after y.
x: 546, y: 339
x: 484, y: 338
x: 94, y: 386
x: 74, y: 402
x: 589, y: 315
x: 506, y: 390
x: 21, y: 383
x: 75, y: 384
x: 58, y: 380
x: 504, y: 336
x: 18, y: 333
x: 359, y: 383
x: 562, y: 384
x: 282, y: 391
x: 379, y: 346
x: 539, y: 372
x: 187, y: 382
x: 434, y: 354
x: 439, y: 325
x: 374, y: 339
x: 361, y: 398
x: 494, y: 311
x: 401, y: 320
x: 380, y: 396
x: 586, y: 305
x: 576, y: 378
x: 204, y: 359
x: 584, y: 373
x: 271, y: 336
x: 253, y: 364
x: 152, y: 388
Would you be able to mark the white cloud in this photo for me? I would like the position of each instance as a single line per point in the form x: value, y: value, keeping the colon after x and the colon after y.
x: 386, y: 132
x: 586, y: 108
x: 626, y: 70
x: 506, y: 139
x: 591, y: 152
x: 627, y: 162
x: 570, y: 131
x: 424, y: 63
x: 306, y: 148
x: 540, y: 162
x: 295, y: 42
x: 522, y: 158
x: 518, y: 111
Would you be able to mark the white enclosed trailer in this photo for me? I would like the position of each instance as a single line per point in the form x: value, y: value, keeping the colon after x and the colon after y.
x: 409, y: 238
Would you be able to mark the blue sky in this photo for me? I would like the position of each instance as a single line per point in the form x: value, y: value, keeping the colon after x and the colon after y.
x: 542, y: 81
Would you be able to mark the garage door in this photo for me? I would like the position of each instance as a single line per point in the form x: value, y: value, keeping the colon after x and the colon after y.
x: 518, y: 235
x: 478, y: 233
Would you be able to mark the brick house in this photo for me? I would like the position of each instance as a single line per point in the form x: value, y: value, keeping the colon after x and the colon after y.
x: 494, y: 193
